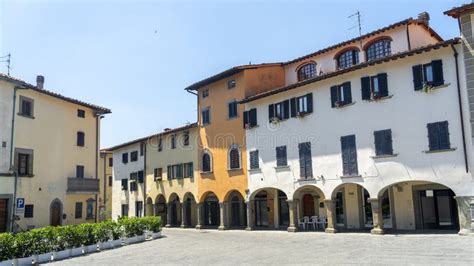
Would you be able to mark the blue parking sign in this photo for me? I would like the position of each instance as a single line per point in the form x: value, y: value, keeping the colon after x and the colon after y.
x: 20, y: 203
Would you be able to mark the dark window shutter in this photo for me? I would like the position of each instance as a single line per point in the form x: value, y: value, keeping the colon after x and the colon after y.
x: 253, y: 117
x: 383, y: 142
x: 383, y: 84
x: 349, y: 155
x: 170, y: 172
x: 254, y: 164
x: 444, y: 135
x: 246, y: 119
x: 271, y: 112
x: 433, y: 138
x: 347, y: 92
x: 286, y: 108
x: 418, y: 77
x: 365, y: 85
x: 293, y: 107
x: 309, y: 98
x: 333, y: 96
x: 281, y: 156
x: 304, y: 150
x: 437, y: 66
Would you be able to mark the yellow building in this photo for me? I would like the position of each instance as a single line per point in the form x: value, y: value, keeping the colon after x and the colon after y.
x: 222, y: 182
x: 171, y: 175
x: 105, y: 184
x: 51, y: 143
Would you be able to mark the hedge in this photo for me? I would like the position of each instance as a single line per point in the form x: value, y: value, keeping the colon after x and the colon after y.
x: 56, y: 238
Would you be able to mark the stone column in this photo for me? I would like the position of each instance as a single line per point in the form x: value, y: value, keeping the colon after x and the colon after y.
x: 316, y: 205
x: 222, y: 225
x: 183, y: 215
x: 466, y: 227
x: 168, y: 215
x: 249, y: 216
x: 377, y: 216
x: 199, y: 215
x: 331, y: 215
x: 291, y: 207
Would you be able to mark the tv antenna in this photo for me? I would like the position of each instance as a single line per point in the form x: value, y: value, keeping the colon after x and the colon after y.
x: 359, y: 24
x: 6, y: 59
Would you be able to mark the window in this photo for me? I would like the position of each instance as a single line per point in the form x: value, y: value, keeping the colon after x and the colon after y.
x: 186, y: 138
x: 281, y: 158
x: 80, y: 171
x: 234, y: 158
x: 125, y: 157
x: 279, y: 111
x: 173, y: 141
x: 302, y: 105
x: 307, y: 71
x: 205, y: 93
x: 206, y: 116
x: 81, y: 113
x: 90, y: 209
x: 349, y: 155
x: 383, y: 142
x: 80, y: 138
x: 231, y: 84
x: 306, y: 164
x: 111, y: 162
x: 374, y: 87
x: 134, y: 156
x: 232, y: 109
x: 341, y: 95
x: 430, y: 74
x: 142, y: 149
x: 160, y: 144
x: 250, y: 118
x: 348, y: 59
x: 124, y: 184
x: 133, y: 176
x: 140, y: 176
x: 158, y: 173
x: 124, y: 210
x: 29, y: 209
x: 188, y: 170
x: 438, y: 136
x: 110, y: 180
x: 139, y: 208
x: 378, y: 49
x: 26, y: 107
x: 206, y: 162
x: 24, y: 161
x: 254, y: 164
x: 133, y: 186
x: 178, y: 171
x: 78, y: 210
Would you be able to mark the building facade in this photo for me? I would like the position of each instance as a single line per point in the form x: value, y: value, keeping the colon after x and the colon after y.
x: 50, y: 142
x: 106, y: 182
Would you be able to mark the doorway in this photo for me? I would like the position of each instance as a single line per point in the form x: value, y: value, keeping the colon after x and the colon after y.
x: 261, y: 210
x: 56, y: 212
x: 308, y: 205
x: 3, y: 215
x: 438, y: 209
x: 211, y: 211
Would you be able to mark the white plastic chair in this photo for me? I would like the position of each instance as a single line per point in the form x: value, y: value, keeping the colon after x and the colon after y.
x: 321, y: 222
x: 302, y: 223
x: 313, y: 221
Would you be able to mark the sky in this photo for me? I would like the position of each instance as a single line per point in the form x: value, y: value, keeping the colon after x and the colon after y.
x: 136, y: 57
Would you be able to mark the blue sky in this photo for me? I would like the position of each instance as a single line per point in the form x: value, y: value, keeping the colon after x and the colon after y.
x: 136, y: 57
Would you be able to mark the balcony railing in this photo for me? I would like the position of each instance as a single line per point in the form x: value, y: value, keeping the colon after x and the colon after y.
x: 82, y: 185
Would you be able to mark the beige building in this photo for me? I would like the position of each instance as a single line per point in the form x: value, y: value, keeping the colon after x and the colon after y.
x: 105, y: 184
x: 51, y: 143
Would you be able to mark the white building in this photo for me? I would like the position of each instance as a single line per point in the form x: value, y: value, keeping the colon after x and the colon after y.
x: 369, y: 133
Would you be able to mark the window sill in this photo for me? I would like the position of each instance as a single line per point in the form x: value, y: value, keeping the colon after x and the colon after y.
x: 25, y: 116
x: 248, y: 128
x: 232, y: 118
x: 435, y: 88
x: 234, y: 169
x: 345, y: 105
x: 384, y: 156
x: 206, y: 173
x: 282, y: 168
x: 302, y: 115
x: 439, y: 151
x: 381, y: 98
x: 350, y: 176
x: 255, y: 171
x: 309, y: 179
x: 26, y: 175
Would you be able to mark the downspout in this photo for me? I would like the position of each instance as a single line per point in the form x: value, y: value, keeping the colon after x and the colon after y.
x: 105, y: 180
x: 461, y: 116
x: 97, y: 119
x: 144, y: 179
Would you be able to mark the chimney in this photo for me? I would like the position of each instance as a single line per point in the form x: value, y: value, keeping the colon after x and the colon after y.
x: 424, y: 17
x: 167, y: 129
x: 39, y: 81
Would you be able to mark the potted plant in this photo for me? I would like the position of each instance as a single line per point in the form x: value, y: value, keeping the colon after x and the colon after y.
x: 427, y: 87
x: 339, y: 104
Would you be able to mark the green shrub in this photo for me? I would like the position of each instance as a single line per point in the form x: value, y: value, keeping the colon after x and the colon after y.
x: 7, y: 247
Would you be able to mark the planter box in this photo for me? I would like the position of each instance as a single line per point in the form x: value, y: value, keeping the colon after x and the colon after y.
x: 79, y: 251
x: 141, y: 238
x: 117, y: 243
x: 6, y: 263
x: 105, y: 245
x: 131, y: 240
x: 42, y: 258
x: 91, y: 248
x: 156, y: 235
x: 148, y: 235
x: 25, y: 261
x: 61, y: 255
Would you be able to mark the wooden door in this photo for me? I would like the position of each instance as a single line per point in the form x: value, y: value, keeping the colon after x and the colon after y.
x: 3, y: 215
x: 56, y: 214
x: 308, y: 205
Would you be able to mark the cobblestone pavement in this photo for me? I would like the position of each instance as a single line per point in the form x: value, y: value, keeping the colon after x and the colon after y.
x: 203, y: 247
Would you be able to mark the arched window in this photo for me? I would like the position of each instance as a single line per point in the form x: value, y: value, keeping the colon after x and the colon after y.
x: 348, y: 59
x: 307, y: 71
x: 378, y: 49
x: 234, y: 157
x: 206, y: 162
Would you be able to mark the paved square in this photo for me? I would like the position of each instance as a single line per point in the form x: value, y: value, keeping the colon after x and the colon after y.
x: 190, y: 246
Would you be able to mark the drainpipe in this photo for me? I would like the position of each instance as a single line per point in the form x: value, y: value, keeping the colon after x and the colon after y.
x: 105, y: 180
x: 461, y: 116
x: 98, y: 116
x: 12, y: 167
x: 144, y: 178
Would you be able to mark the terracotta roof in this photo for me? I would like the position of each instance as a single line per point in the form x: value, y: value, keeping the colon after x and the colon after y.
x: 353, y: 68
x: 226, y: 73
x: 456, y: 11
x: 163, y: 133
x: 19, y: 82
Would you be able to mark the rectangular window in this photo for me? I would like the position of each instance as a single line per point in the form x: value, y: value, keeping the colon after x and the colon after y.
x: 279, y: 111
x: 254, y: 162
x: 26, y: 107
x: 78, y: 210
x: 349, y: 155
x: 188, y: 170
x: 134, y: 156
x: 374, y: 87
x: 124, y: 210
x: 341, y: 95
x: 438, y: 136
x: 186, y: 138
x: 125, y: 157
x: 111, y: 162
x: 205, y: 93
x: 81, y: 139
x: 142, y: 149
x: 124, y: 184
x: 140, y: 176
x: 306, y: 164
x: 169, y: 172
x: 29, y: 209
x: 173, y: 141
x: 383, y: 142
x: 231, y: 84
x: 301, y: 105
x: 80, y: 171
x: 250, y: 118
x: 81, y: 113
x: 160, y: 143
x: 158, y: 173
x: 139, y: 208
x: 206, y: 116
x: 428, y: 75
x: 24, y: 161
x: 133, y: 186
x: 90, y: 209
x: 281, y: 158
x: 178, y: 170
x: 110, y: 180
x: 232, y: 109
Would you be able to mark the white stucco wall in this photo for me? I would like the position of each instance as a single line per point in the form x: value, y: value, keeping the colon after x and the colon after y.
x: 6, y: 105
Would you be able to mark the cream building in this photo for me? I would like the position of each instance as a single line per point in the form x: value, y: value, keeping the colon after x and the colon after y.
x: 106, y: 182
x: 52, y: 143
